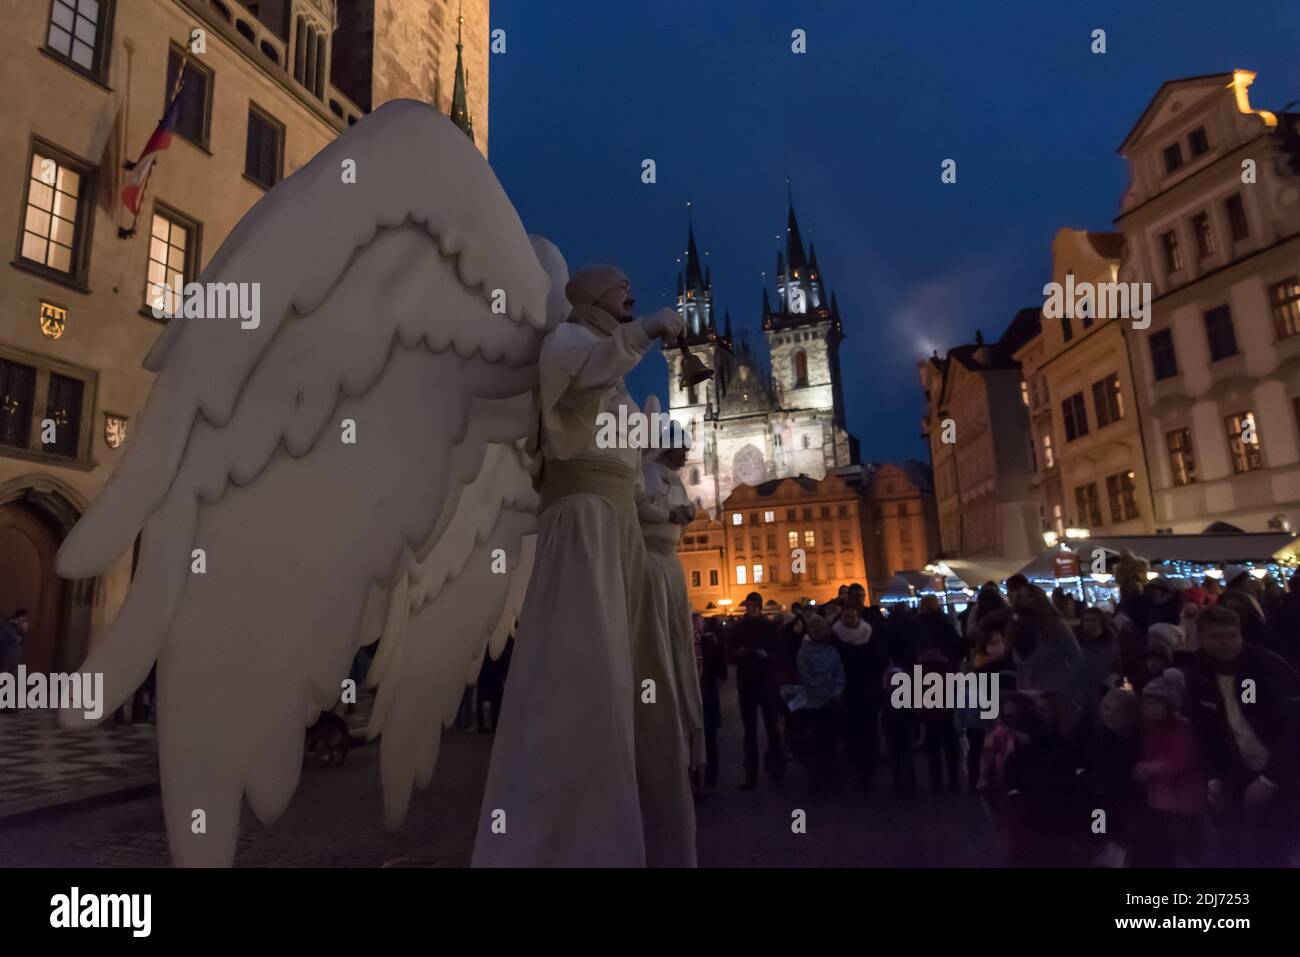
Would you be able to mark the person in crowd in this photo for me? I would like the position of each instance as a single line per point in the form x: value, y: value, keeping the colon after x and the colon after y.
x: 754, y: 648
x: 988, y: 601
x: 863, y: 652
x: 831, y: 610
x: 939, y: 725
x: 1241, y: 598
x: 1045, y: 651
x: 1099, y: 642
x: 991, y: 656
x: 1041, y: 805
x: 1064, y: 603
x: 1245, y: 704
x: 1171, y: 771
x: 900, y: 731
x: 1163, y: 644
x: 940, y: 634
x: 821, y: 673
x: 905, y: 633
x: 1014, y: 584
x: 13, y: 634
x: 712, y: 660
x: 1117, y: 744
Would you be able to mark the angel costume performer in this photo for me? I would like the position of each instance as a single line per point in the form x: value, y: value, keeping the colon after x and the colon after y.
x: 588, y: 769
x: 663, y: 493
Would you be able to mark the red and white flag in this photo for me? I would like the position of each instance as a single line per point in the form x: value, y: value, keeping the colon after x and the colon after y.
x: 137, y: 177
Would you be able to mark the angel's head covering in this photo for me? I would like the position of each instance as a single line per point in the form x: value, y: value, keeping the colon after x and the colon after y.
x: 591, y: 282
x: 675, y: 437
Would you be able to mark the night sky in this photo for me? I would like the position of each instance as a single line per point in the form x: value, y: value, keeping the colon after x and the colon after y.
x: 859, y: 124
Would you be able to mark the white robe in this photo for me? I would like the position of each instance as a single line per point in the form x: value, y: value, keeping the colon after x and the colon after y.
x: 563, y: 787
x: 663, y: 491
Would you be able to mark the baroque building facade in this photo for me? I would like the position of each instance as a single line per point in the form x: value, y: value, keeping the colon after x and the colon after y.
x: 86, y: 84
x: 756, y: 421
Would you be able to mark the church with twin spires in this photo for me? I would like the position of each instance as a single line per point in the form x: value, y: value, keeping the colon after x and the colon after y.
x: 757, y: 421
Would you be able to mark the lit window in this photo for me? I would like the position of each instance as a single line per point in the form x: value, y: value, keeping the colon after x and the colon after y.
x: 1024, y: 393
x: 171, y: 263
x: 737, y: 518
x: 1284, y: 297
x: 1182, y: 464
x: 809, y: 538
x: 1048, y: 456
x: 741, y: 571
x: 758, y: 574
x: 769, y: 518
x: 793, y: 538
x: 51, y: 229
x: 1244, y: 447
x: 1122, y: 493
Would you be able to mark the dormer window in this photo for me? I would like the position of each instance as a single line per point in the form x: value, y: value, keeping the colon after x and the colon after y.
x: 1198, y: 142
x: 1173, y: 157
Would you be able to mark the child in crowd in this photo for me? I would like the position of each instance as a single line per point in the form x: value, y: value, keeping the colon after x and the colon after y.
x: 1171, y: 771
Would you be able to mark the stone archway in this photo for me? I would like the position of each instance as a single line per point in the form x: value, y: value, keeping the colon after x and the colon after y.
x: 36, y: 514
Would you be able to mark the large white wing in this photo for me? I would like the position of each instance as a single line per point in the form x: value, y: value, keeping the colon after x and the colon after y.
x: 351, y: 465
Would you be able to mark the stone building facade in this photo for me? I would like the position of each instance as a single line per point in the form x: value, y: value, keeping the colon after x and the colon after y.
x: 85, y: 85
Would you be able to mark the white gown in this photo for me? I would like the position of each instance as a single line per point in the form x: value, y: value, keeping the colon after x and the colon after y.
x: 563, y: 786
x: 662, y: 491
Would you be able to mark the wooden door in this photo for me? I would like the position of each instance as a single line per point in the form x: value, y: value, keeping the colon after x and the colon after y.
x: 28, y: 580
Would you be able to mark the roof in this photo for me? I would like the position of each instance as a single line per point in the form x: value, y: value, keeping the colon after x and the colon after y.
x: 1159, y: 97
x: 1107, y: 245
x: 1211, y: 549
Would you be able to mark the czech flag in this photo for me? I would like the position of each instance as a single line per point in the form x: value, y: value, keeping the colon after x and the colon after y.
x: 137, y: 177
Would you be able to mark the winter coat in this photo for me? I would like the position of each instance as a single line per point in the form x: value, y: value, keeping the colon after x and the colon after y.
x: 821, y: 673
x: 1171, y: 768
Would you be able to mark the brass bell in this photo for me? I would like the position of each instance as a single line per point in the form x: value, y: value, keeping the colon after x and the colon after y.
x: 694, y: 371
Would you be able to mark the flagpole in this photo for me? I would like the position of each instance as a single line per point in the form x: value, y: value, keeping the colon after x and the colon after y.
x: 128, y: 232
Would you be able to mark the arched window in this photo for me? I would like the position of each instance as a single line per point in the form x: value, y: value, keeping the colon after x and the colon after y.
x: 800, y: 369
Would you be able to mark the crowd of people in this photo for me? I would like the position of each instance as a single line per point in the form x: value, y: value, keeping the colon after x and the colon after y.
x: 1162, y: 729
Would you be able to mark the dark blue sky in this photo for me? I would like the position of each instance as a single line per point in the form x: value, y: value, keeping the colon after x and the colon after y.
x: 860, y: 123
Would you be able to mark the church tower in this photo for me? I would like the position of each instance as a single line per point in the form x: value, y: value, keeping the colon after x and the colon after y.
x: 803, y: 334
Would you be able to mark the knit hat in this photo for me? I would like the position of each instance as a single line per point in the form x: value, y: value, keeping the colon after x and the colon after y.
x: 1170, y: 687
x: 817, y: 627
x: 590, y: 283
x: 1163, y: 639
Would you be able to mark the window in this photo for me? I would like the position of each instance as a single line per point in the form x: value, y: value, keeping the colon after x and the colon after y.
x: 63, y: 407
x: 1164, y: 364
x: 695, y: 579
x: 713, y: 576
x: 769, y: 518
x: 1122, y: 493
x: 1244, y: 446
x: 79, y: 34
x: 1024, y: 393
x: 737, y: 518
x: 1182, y: 464
x: 740, y: 543
x: 1198, y: 142
x: 1218, y: 328
x: 845, y: 537
x: 758, y: 574
x: 793, y: 538
x: 810, y: 539
x: 754, y: 544
x: 1107, y: 400
x: 17, y: 395
x: 1204, y: 235
x: 1173, y: 258
x: 741, y: 572
x: 1284, y: 297
x: 800, y: 369
x: 771, y: 541
x: 826, y: 511
x: 842, y: 511
x: 1173, y: 157
x: 1067, y: 328
x: 1087, y: 504
x: 194, y: 118
x: 789, y: 515
x: 807, y: 514
x: 56, y: 225
x: 1237, y: 221
x: 1076, y: 417
x: 265, y: 149
x: 173, y: 261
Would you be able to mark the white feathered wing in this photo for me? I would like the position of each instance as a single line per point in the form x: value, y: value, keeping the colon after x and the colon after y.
x: 377, y: 306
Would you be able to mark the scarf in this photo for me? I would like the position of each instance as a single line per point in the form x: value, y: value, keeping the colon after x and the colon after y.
x: 594, y: 318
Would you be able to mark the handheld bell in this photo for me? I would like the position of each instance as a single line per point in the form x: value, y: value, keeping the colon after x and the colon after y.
x: 694, y: 371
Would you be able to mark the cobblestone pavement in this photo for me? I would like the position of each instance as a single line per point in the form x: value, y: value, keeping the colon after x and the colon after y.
x: 335, y: 819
